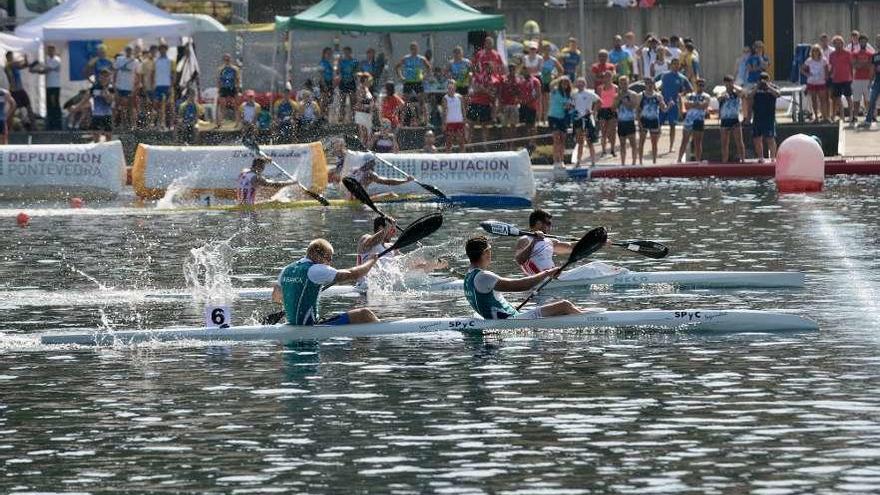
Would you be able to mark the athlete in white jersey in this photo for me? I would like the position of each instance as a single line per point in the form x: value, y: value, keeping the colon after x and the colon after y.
x: 534, y: 254
x: 384, y: 230
x: 250, y: 179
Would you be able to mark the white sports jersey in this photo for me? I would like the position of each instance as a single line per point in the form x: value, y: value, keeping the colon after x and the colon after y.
x: 247, y: 190
x: 541, y: 258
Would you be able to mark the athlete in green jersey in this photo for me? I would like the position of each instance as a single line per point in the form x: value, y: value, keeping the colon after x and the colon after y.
x: 480, y: 286
x: 299, y: 287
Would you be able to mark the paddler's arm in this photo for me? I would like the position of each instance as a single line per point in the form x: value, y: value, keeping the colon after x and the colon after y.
x: 562, y: 247
x: 368, y: 241
x: 391, y: 182
x: 522, y: 284
x: 355, y: 272
x: 262, y: 181
x: 523, y: 249
x: 277, y: 295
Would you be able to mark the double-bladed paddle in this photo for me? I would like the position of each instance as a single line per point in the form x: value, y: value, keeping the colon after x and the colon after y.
x: 254, y: 147
x: 359, y: 193
x: 651, y: 249
x: 413, y: 233
x: 428, y: 187
x: 591, y: 242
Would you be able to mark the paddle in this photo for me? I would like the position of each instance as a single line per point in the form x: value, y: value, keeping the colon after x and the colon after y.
x: 413, y: 233
x: 358, y: 192
x: 254, y: 147
x: 591, y: 242
x: 651, y: 249
x: 428, y: 187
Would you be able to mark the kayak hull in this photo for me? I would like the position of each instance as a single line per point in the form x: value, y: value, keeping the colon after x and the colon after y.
x: 702, y: 320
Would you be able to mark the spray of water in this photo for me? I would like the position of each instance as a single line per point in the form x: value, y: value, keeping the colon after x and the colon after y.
x: 208, y: 272
x: 177, y: 191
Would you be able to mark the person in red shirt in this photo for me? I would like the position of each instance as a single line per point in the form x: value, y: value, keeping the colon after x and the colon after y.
x: 508, y: 100
x: 862, y: 75
x: 391, y: 105
x: 598, y: 70
x: 529, y: 103
x: 479, y: 108
x: 841, y: 62
x: 489, y: 56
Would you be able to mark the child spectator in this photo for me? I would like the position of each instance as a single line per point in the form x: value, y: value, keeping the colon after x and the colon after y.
x: 454, y: 108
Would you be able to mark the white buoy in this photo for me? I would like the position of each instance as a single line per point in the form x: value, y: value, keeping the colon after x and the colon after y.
x: 800, y: 165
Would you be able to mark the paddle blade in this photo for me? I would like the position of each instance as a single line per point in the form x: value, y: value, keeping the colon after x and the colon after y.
x: 499, y: 228
x: 591, y: 242
x: 650, y: 249
x: 273, y: 318
x: 317, y: 197
x: 433, y: 190
x: 416, y: 231
x: 358, y: 191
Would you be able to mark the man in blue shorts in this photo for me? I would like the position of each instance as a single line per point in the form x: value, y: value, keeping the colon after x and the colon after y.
x: 673, y: 85
x: 299, y: 287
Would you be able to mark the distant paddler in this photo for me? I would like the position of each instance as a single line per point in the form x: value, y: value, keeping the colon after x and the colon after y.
x: 366, y: 175
x: 384, y: 231
x: 251, y: 179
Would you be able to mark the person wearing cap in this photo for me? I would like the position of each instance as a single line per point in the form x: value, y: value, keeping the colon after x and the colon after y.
x: 251, y: 179
x: 284, y: 112
x: 482, y: 288
x: 102, y: 94
x: 188, y: 115
x: 364, y: 106
x: 228, y: 84
x: 247, y: 115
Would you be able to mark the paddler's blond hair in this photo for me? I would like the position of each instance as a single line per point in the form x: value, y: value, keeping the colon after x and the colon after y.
x: 319, y: 250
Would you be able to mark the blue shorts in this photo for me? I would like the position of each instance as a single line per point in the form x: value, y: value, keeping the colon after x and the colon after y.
x: 670, y: 116
x: 763, y: 129
x: 160, y: 93
x: 123, y: 93
x: 557, y: 124
x: 336, y: 320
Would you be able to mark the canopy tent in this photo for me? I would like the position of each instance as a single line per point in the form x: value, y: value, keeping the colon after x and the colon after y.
x: 79, y: 20
x: 391, y: 16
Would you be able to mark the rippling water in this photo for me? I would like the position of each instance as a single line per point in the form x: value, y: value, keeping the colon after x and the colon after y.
x: 550, y: 413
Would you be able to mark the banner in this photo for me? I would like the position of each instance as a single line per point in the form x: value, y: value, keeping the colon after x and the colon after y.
x: 505, y: 173
x: 214, y: 169
x: 55, y: 170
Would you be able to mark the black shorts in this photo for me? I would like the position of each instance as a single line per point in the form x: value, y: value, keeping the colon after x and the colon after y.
x: 104, y: 123
x: 527, y: 116
x: 481, y: 114
x: 606, y: 114
x: 347, y: 87
x: 585, y: 123
x: 228, y: 92
x: 841, y: 89
x: 413, y: 87
x: 763, y: 128
x: 695, y: 126
x: 729, y: 123
x: 626, y: 128
x: 557, y: 125
x: 545, y: 87
x: 21, y: 98
x: 650, y: 125
x: 463, y: 90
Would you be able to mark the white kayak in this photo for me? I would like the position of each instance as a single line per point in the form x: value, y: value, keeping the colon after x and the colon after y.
x: 702, y: 320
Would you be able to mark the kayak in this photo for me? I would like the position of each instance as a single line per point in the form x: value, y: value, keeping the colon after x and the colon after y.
x: 701, y: 320
x: 296, y: 204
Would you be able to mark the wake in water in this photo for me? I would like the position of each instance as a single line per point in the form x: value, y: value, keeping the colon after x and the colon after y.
x: 208, y: 272
x: 407, y: 272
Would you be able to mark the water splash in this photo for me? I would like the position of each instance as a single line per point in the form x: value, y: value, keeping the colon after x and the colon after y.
x: 178, y: 190
x: 208, y: 272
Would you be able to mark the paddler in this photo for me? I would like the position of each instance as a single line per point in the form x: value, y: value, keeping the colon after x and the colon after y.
x: 299, y: 287
x: 481, y: 288
x: 252, y: 178
x: 384, y: 230
x: 366, y: 175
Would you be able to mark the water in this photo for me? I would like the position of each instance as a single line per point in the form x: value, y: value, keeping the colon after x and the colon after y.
x: 553, y: 413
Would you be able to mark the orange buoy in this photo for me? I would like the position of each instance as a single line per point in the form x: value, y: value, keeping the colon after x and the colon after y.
x: 800, y: 165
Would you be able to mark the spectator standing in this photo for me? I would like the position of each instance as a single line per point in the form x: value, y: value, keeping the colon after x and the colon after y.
x: 479, y: 107
x: 52, y: 69
x: 646, y: 56
x: 764, y: 123
x: 756, y: 64
x: 696, y: 104
x: 855, y: 42
x: 308, y: 116
x: 690, y: 61
x: 598, y: 70
x: 621, y: 59
x: 672, y: 85
x: 870, y: 111
x: 674, y: 48
x: 7, y: 110
x: 460, y: 70
x: 285, y: 110
x: 247, y: 116
x: 550, y: 70
x: 148, y: 85
x: 13, y: 77
x: 817, y: 73
x: 651, y: 105
x: 125, y: 69
x: 508, y: 100
x: 348, y: 84
x: 530, y: 100
x: 533, y: 61
x: 825, y: 44
x: 188, y: 116
x: 384, y: 140
x: 162, y: 89
x: 328, y: 79
x: 488, y: 56
x: 630, y: 46
x: 558, y: 117
x: 98, y: 63
x: 626, y: 102
x: 729, y: 109
x: 607, y: 112
x: 742, y: 67
x: 841, y: 62
x: 862, y: 74
x: 375, y: 66
x: 571, y: 59
x: 412, y: 69
x: 585, y: 101
x: 392, y: 105
x: 454, y: 108
x: 365, y: 106
x: 228, y: 88
x: 101, y: 95
x: 660, y: 65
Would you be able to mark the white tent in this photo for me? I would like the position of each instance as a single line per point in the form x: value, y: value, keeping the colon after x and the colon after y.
x: 103, y: 19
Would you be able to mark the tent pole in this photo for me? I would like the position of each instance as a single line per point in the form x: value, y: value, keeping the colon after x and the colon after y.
x: 274, y: 60
x: 287, y: 72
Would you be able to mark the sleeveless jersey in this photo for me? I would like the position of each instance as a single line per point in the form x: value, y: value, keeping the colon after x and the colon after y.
x: 377, y: 249
x: 730, y: 106
x: 246, y: 192
x: 347, y: 69
x: 460, y: 72
x: 284, y: 110
x: 103, y: 63
x: 548, y: 69
x: 491, y: 306
x: 413, y: 69
x: 650, y: 107
x: 695, y: 114
x: 326, y: 70
x: 454, y: 114
x: 624, y: 112
x: 227, y: 77
x: 189, y: 112
x: 299, y: 294
x: 541, y: 258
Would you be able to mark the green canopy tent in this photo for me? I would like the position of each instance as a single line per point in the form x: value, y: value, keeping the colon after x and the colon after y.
x: 388, y: 16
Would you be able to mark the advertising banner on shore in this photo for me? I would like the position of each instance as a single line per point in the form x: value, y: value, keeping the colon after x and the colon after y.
x: 59, y: 170
x: 214, y: 170
x: 503, y: 173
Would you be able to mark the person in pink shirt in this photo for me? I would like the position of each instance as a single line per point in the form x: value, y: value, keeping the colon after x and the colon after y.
x: 862, y: 74
x: 841, y: 62
x: 489, y: 56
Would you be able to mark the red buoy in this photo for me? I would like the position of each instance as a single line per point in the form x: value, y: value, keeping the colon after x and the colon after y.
x: 23, y: 219
x: 800, y: 165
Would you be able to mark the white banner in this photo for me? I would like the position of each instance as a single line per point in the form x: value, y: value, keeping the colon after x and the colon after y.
x: 216, y: 168
x: 505, y: 173
x: 48, y: 170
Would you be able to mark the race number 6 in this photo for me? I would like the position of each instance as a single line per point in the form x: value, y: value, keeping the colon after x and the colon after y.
x: 218, y: 316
